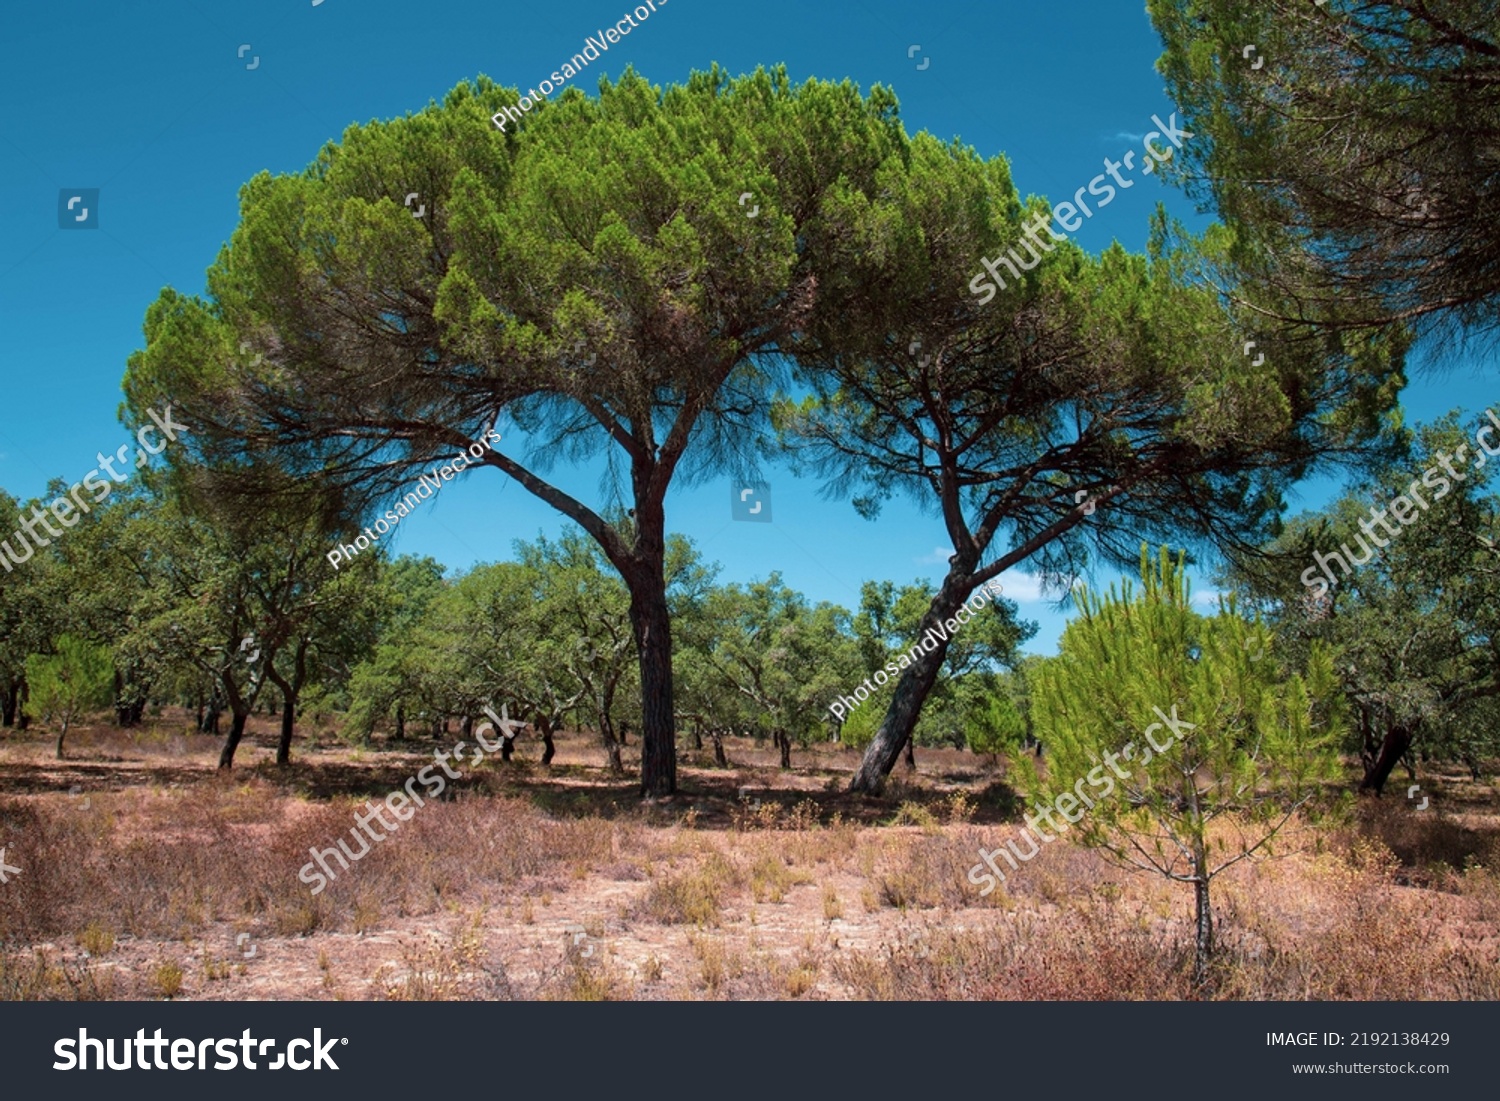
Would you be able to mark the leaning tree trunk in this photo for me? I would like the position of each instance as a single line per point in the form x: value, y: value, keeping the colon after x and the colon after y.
x: 911, y: 691
x: 231, y: 743
x: 1398, y: 739
x: 652, y: 625
x: 906, y: 702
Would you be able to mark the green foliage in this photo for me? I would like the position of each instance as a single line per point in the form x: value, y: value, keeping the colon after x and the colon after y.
x: 1412, y: 627
x: 1210, y: 748
x: 860, y: 725
x: 996, y: 725
x: 73, y: 680
x: 1350, y: 168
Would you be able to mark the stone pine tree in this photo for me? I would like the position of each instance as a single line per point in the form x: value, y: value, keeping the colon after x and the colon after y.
x: 1088, y: 404
x: 70, y: 682
x: 1355, y: 152
x: 1190, y: 746
x: 596, y: 277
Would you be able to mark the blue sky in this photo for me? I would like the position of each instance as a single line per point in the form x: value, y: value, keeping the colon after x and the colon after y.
x: 168, y: 107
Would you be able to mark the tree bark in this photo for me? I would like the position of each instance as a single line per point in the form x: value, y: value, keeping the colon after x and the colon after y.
x: 401, y: 722
x: 61, y: 735
x: 786, y: 748
x: 911, y: 690
x: 1203, y: 939
x: 717, y: 735
x: 544, y: 728
x: 611, y: 744
x: 291, y: 692
x: 911, y: 757
x: 231, y: 743
x: 1398, y: 739
x: 8, y: 703
x: 288, y: 728
x: 652, y: 625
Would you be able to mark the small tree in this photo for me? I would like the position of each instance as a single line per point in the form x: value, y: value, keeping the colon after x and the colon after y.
x: 994, y: 726
x: 77, y: 678
x: 1221, y: 748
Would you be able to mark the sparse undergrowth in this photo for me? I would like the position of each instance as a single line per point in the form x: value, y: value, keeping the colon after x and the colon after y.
x: 516, y: 889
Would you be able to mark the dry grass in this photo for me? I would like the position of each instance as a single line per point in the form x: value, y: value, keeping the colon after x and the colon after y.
x: 144, y: 889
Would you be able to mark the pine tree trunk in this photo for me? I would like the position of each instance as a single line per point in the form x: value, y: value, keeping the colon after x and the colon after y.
x: 1203, y: 939
x: 653, y: 637
x: 911, y: 690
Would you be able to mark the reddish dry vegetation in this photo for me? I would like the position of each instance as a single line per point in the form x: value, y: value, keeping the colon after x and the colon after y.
x: 146, y: 874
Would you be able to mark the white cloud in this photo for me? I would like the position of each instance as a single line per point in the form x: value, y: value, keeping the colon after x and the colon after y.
x: 1023, y: 588
x: 1208, y: 598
